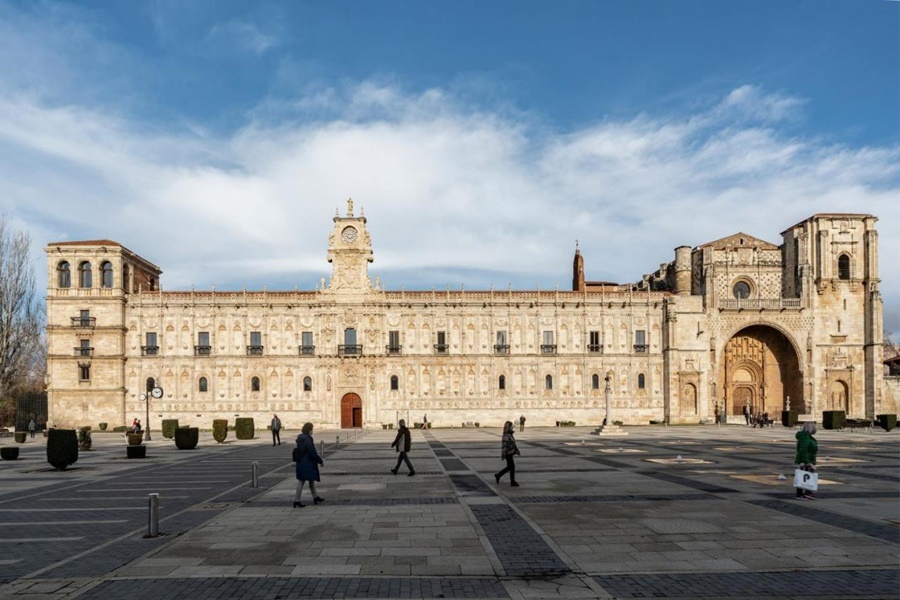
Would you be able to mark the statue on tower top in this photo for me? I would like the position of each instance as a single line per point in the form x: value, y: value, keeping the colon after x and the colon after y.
x: 349, y: 207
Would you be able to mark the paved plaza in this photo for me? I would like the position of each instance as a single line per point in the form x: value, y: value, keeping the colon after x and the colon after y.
x: 678, y: 512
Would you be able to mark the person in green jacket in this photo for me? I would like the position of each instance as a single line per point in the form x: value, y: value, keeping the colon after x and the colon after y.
x: 805, y: 458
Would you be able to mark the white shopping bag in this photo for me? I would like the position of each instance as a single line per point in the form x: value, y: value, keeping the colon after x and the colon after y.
x: 806, y: 480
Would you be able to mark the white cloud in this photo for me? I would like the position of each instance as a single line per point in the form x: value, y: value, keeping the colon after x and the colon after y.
x: 241, y: 34
x: 453, y: 195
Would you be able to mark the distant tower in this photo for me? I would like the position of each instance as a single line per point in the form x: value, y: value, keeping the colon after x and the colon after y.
x: 578, y: 271
x: 683, y: 270
x: 350, y: 252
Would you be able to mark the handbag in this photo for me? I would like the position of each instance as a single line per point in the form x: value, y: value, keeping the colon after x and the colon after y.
x: 806, y: 480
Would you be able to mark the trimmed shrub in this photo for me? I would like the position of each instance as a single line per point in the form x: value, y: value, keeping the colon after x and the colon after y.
x: 220, y: 429
x: 567, y: 423
x: 62, y: 448
x: 417, y: 426
x: 9, y: 453
x: 135, y: 439
x: 243, y: 428
x: 168, y: 428
x: 186, y: 438
x: 103, y: 426
x: 428, y: 425
x: 20, y: 437
x: 84, y: 438
x: 789, y: 418
x: 120, y: 429
x: 136, y: 451
x: 833, y: 419
x: 887, y: 422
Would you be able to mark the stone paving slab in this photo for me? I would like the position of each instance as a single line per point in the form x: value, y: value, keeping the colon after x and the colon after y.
x: 582, y: 525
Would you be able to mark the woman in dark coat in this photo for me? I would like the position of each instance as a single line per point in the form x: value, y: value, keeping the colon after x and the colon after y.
x: 805, y: 458
x: 508, y: 450
x: 307, y: 465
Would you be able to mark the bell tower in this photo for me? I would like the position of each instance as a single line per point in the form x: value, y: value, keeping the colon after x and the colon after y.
x: 349, y: 252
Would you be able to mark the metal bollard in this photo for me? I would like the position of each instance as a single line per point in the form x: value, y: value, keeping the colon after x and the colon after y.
x: 337, y: 442
x: 153, y: 516
x: 322, y: 447
x: 255, y: 470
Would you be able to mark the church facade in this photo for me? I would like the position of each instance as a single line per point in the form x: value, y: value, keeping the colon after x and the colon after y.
x: 732, y: 323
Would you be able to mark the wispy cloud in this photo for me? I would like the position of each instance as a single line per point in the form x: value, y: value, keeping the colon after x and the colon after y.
x: 241, y: 34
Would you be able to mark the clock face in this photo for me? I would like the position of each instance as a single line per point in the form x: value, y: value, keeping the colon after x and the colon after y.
x: 349, y: 235
x: 156, y: 392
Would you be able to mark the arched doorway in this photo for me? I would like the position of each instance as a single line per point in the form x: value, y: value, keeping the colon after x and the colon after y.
x: 351, y: 411
x: 760, y: 369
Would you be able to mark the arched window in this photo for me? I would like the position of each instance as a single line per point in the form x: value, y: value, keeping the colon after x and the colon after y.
x: 126, y: 284
x: 203, y: 386
x: 641, y: 381
x: 307, y: 384
x: 548, y: 382
x: 843, y: 267
x: 501, y: 384
x: 151, y: 383
x: 254, y: 384
x: 395, y: 383
x: 595, y: 382
x: 84, y: 274
x: 65, y: 275
x: 106, y: 271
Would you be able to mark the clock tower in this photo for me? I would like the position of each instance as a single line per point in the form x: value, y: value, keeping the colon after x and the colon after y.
x: 349, y: 252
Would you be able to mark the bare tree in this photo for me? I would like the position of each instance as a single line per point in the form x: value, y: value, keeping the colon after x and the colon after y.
x: 21, y: 315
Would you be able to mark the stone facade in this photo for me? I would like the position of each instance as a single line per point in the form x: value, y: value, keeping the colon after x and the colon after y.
x: 733, y: 322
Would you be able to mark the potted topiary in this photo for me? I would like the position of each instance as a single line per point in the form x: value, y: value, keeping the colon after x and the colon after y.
x: 789, y: 418
x: 62, y: 448
x: 9, y: 453
x: 20, y: 436
x: 84, y: 438
x: 103, y: 426
x: 135, y: 439
x: 220, y: 430
x: 186, y: 438
x: 243, y: 428
x: 168, y: 428
x: 833, y: 419
x: 887, y: 422
x: 136, y: 451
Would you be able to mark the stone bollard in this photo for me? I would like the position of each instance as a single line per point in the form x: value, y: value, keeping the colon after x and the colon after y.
x: 254, y: 471
x: 153, y: 516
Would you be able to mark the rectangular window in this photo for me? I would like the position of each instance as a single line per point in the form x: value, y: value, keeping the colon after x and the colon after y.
x: 548, y: 347
x: 84, y: 348
x: 640, y: 341
x: 349, y: 347
x: 502, y: 345
x: 202, y: 348
x: 83, y: 319
x: 255, y: 348
x: 594, y: 344
x: 151, y: 348
x: 393, y: 342
x: 441, y: 346
x: 306, y: 343
x: 84, y: 372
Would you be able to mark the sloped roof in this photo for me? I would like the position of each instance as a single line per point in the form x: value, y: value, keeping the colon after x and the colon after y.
x: 739, y: 240
x: 87, y: 243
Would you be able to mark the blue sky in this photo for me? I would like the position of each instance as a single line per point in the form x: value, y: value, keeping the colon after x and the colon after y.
x: 482, y: 138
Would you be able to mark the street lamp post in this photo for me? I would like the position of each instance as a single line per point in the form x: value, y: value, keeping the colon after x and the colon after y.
x: 156, y: 392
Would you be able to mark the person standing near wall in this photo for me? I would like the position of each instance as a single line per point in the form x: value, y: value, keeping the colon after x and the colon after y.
x: 276, y: 430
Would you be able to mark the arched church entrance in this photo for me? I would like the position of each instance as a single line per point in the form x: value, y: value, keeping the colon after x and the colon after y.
x: 838, y: 396
x: 351, y: 411
x: 760, y: 369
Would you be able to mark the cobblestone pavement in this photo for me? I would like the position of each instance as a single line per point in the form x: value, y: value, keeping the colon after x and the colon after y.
x: 680, y: 512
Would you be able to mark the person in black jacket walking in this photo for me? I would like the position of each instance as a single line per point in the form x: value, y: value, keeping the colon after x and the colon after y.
x: 402, y: 443
x: 508, y: 450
